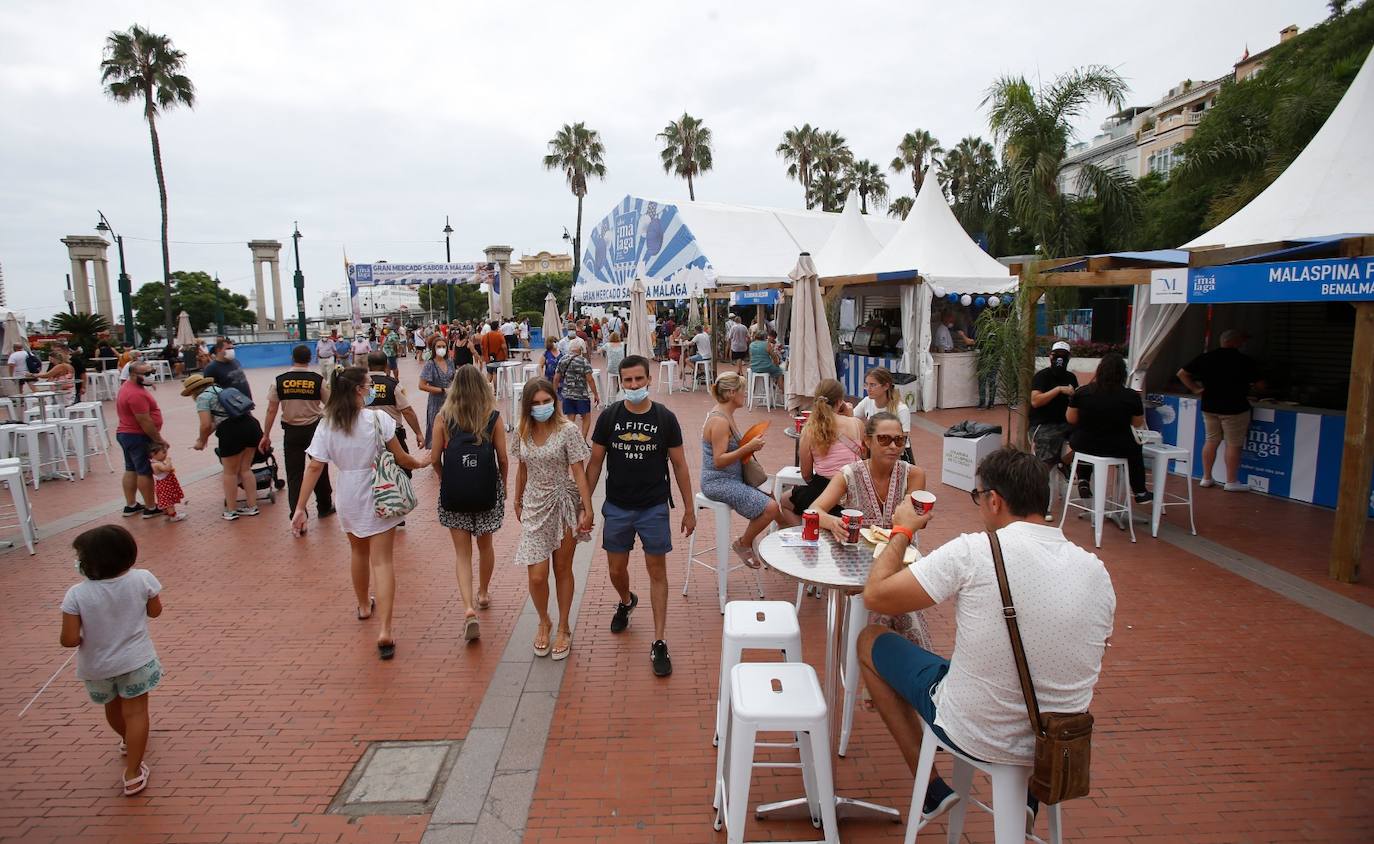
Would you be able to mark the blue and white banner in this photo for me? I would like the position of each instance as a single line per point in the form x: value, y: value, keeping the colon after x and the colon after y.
x: 1287, y: 453
x: 643, y: 239
x: 755, y: 297
x: 1326, y: 280
x: 413, y: 275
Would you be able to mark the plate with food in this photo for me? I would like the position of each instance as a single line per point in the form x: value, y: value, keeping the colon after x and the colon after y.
x: 875, y: 535
x: 754, y: 431
x: 911, y: 555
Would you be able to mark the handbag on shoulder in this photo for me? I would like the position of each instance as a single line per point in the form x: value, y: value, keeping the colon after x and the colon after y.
x: 1063, y: 741
x: 392, y: 494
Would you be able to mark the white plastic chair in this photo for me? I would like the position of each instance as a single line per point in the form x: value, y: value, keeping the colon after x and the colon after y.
x: 720, y: 513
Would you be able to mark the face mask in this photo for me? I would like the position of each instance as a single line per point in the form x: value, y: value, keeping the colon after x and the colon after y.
x: 139, y: 380
x: 77, y: 565
x: 637, y: 396
x: 440, y: 352
x: 542, y: 412
x: 371, y: 396
x: 228, y: 354
x: 1059, y: 361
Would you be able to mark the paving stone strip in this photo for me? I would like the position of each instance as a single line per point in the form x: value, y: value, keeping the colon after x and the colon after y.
x: 487, y: 796
x: 50, y: 529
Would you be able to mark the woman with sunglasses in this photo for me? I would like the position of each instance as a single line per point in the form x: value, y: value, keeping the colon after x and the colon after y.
x: 877, y: 486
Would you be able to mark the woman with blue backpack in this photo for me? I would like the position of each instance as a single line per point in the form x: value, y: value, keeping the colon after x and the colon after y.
x: 229, y: 414
x: 469, y: 448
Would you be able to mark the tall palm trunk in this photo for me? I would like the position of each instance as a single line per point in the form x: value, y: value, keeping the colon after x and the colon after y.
x: 691, y: 192
x: 577, y: 244
x: 162, y: 200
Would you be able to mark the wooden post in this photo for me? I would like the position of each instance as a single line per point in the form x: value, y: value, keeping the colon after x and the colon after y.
x: 1357, y: 458
x: 1020, y: 438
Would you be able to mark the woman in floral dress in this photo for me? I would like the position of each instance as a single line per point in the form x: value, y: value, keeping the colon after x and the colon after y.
x: 552, y: 500
x: 435, y: 376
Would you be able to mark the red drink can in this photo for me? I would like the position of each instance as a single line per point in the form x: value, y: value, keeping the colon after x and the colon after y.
x: 811, y: 525
x: 853, y: 520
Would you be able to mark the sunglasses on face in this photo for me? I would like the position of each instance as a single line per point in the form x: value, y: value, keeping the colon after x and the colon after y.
x: 975, y: 494
x: 890, y: 439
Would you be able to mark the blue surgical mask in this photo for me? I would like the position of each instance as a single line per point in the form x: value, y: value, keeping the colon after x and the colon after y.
x: 637, y: 395
x: 542, y: 412
x: 371, y: 395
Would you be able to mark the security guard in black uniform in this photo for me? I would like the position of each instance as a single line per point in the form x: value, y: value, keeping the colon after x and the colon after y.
x: 391, y: 399
x: 299, y: 393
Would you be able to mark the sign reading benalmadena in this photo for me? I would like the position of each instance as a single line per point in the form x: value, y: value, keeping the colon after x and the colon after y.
x: 1328, y: 280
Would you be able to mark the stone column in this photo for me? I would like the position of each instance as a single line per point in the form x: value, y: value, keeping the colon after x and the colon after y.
x: 80, y: 249
x: 267, y: 251
x: 278, y: 324
x: 81, y: 286
x: 501, y: 303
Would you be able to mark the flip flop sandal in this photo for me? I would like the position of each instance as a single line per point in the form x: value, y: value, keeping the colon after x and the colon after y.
x: 138, y: 783
x: 123, y: 748
x: 483, y: 603
x: 386, y: 650
x: 544, y: 631
x: 745, y: 554
x: 557, y: 654
x: 372, y: 605
x: 471, y: 630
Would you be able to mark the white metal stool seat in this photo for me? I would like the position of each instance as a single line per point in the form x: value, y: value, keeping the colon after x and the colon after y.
x: 1102, y: 504
x: 767, y: 697
x: 753, y: 625
x: 1008, y: 795
x: 82, y: 437
x: 720, y: 512
x: 767, y: 389
x: 12, y: 475
x: 611, y: 388
x: 1159, y: 455
x: 94, y: 410
x: 667, y: 374
x: 41, y: 447
x: 703, y: 369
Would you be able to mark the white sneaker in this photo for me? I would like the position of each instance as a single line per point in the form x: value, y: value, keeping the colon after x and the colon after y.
x: 1230, y: 487
x: 180, y: 517
x: 1206, y: 482
x: 247, y: 511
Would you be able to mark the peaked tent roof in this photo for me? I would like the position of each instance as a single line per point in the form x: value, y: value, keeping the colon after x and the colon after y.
x: 851, y: 243
x: 932, y: 243
x: 1325, y: 190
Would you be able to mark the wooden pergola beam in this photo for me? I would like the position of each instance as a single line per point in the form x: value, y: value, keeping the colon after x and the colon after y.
x: 1130, y: 277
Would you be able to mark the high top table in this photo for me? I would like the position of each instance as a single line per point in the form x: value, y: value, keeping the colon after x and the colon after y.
x: 841, y: 570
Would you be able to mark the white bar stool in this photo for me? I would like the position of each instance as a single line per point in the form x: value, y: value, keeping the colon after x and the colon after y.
x: 7, y: 402
x: 1102, y: 504
x: 767, y: 389
x: 720, y: 512
x: 607, y: 394
x: 1008, y: 795
x: 753, y: 625
x: 702, y: 368
x: 596, y: 376
x: 667, y: 374
x: 93, y: 410
x: 1159, y: 456
x: 82, y: 437
x: 766, y: 697
x: 12, y: 475
x: 33, y: 440
x: 855, y: 620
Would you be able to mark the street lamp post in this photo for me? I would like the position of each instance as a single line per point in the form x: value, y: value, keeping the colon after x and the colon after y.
x: 299, y: 281
x: 219, y: 307
x: 448, y: 258
x: 125, y: 286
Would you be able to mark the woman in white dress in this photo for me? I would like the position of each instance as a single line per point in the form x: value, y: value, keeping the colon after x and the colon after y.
x: 350, y: 437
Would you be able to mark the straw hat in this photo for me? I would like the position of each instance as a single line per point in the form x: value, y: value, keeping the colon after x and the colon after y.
x: 195, y: 384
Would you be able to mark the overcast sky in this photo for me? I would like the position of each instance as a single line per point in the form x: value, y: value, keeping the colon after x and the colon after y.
x: 370, y: 122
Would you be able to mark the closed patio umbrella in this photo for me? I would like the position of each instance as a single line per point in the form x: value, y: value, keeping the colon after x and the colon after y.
x: 810, y: 357
x: 637, y: 340
x: 184, y: 336
x: 553, y: 326
x: 693, y: 315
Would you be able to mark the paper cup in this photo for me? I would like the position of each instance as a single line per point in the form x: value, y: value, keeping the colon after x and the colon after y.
x: 922, y: 501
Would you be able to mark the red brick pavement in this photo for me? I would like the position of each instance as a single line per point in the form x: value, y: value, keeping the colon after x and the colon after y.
x: 1226, y: 712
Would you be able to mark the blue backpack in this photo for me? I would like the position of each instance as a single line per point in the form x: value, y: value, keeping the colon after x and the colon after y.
x: 234, y: 402
x: 32, y: 363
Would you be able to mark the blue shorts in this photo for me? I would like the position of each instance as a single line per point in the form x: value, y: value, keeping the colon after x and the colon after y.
x: 577, y: 407
x: 135, y: 448
x: 651, y: 524
x: 391, y: 362
x: 695, y: 358
x: 912, y: 672
x: 130, y: 684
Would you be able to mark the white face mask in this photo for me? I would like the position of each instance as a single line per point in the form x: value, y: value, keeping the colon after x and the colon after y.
x: 440, y: 352
x: 229, y: 354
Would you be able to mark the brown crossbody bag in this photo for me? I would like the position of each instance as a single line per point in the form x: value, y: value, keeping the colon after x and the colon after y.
x: 1063, y: 741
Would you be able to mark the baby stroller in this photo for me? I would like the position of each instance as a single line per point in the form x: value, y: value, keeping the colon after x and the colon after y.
x: 266, y: 474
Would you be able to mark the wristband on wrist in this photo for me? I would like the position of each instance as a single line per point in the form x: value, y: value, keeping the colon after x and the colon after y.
x: 904, y: 531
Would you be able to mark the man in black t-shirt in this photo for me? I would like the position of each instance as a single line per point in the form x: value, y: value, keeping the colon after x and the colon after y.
x: 1226, y: 375
x: 225, y: 371
x: 1051, y: 389
x: 637, y: 439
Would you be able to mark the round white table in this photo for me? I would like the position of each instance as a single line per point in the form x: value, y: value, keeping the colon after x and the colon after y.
x: 841, y: 570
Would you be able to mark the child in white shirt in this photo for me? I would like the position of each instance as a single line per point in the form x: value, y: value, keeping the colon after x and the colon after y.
x: 106, y: 617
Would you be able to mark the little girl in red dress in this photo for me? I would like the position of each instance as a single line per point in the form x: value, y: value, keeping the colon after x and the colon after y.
x: 166, y: 487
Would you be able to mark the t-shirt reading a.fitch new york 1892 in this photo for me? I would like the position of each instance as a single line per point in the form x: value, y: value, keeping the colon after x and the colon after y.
x: 637, y: 454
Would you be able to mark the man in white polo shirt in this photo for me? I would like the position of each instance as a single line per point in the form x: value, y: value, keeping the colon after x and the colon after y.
x: 973, y: 701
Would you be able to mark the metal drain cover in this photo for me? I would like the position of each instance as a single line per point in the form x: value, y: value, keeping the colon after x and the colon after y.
x: 397, y: 778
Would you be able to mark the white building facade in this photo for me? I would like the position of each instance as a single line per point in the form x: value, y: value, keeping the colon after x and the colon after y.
x: 372, y: 301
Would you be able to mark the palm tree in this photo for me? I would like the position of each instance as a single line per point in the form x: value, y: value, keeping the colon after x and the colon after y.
x: 144, y: 66
x: 1034, y: 128
x: 916, y: 151
x: 832, y: 160
x: 867, y: 178
x: 686, y: 149
x: 578, y: 152
x: 900, y: 207
x: 798, y: 150
x: 83, y: 328
x: 969, y: 175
